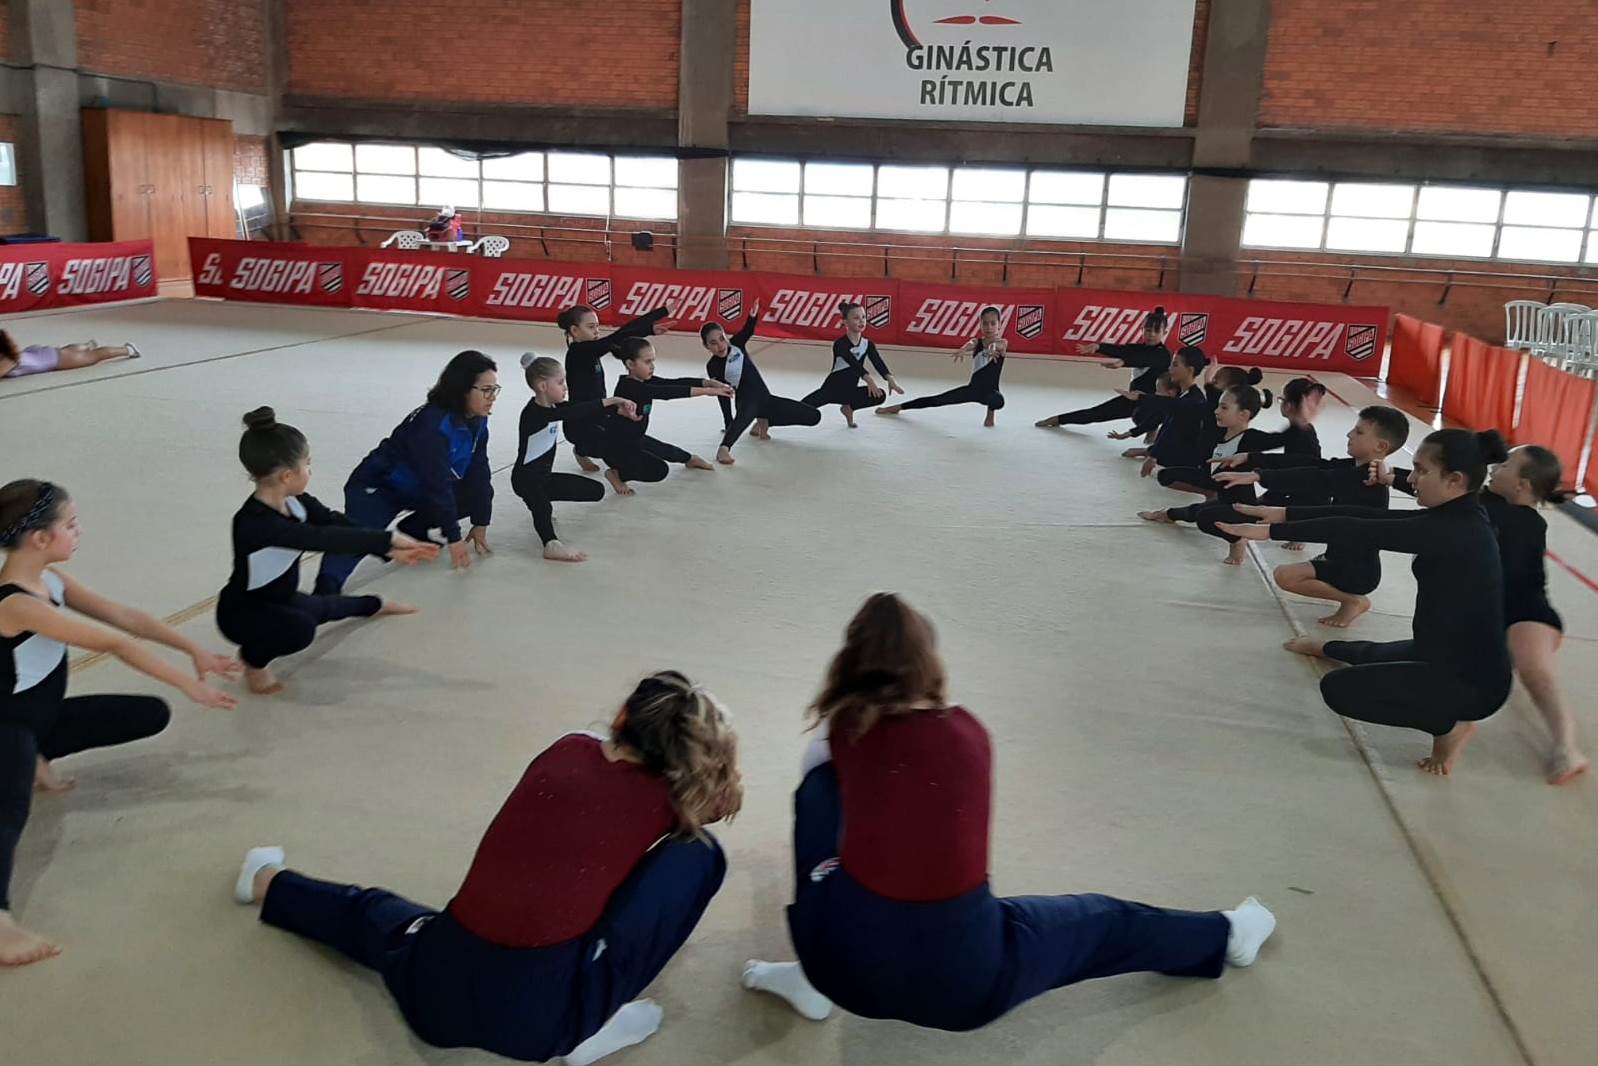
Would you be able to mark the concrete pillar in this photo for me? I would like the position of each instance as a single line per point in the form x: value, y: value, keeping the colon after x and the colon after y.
x: 704, y: 101
x: 44, y: 42
x: 1229, y: 101
x: 277, y: 80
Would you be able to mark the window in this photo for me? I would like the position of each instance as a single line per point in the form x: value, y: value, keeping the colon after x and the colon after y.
x: 1456, y: 221
x: 573, y: 183
x: 978, y: 201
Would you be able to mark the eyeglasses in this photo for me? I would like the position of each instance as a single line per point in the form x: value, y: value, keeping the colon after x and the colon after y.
x: 491, y: 391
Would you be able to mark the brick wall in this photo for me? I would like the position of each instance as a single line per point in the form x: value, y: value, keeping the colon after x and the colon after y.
x: 1465, y: 66
x: 13, y: 214
x: 5, y: 31
x: 740, y: 66
x: 249, y: 160
x: 577, y: 53
x: 219, y: 44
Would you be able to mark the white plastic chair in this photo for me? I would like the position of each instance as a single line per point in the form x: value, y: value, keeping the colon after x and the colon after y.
x: 492, y: 246
x: 1520, y: 324
x: 1552, y: 343
x: 1582, y: 333
x: 407, y: 240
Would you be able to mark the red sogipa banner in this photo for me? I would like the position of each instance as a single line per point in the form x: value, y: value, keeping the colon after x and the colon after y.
x: 36, y: 277
x: 1288, y: 336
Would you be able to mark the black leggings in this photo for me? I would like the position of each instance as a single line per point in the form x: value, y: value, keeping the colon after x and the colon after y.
x: 992, y: 399
x: 539, y: 489
x: 645, y: 459
x: 81, y: 723
x: 842, y: 388
x: 776, y: 410
x: 1388, y: 685
x: 267, y: 631
x: 1111, y: 410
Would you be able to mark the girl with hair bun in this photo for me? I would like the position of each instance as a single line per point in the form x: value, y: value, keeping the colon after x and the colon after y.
x: 1528, y: 479
x: 1150, y: 357
x: 43, y: 612
x: 1455, y: 671
x: 850, y: 352
x: 586, y: 349
x: 987, y: 350
x: 261, y: 608
x: 592, y: 875
x: 893, y: 915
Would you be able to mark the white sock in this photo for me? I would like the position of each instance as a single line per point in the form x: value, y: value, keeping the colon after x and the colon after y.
x: 254, y: 860
x: 787, y: 979
x: 1252, y: 925
x: 634, y: 1023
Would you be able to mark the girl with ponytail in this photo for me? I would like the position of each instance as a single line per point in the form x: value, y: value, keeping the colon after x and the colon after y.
x: 1455, y: 671
x: 594, y: 872
x: 1149, y: 356
x: 1528, y: 479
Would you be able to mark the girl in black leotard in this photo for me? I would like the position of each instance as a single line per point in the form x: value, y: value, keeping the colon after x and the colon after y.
x: 1456, y: 669
x: 38, y: 721
x: 987, y: 363
x: 849, y: 356
x: 1151, y: 358
x: 585, y: 376
x: 1529, y: 478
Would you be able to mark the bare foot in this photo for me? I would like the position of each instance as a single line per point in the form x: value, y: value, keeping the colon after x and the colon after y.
x: 395, y: 607
x: 1157, y: 516
x: 18, y: 946
x: 892, y: 409
x: 1566, y: 765
x: 724, y: 457
x: 587, y: 465
x: 262, y: 682
x: 1236, y: 554
x: 1344, y: 616
x: 696, y: 463
x: 561, y: 554
x: 614, y: 477
x: 1447, y: 749
x: 988, y: 422
x: 1310, y: 646
x: 762, y: 429
x: 1048, y: 423
x: 1295, y: 546
x: 45, y: 779
x: 848, y: 416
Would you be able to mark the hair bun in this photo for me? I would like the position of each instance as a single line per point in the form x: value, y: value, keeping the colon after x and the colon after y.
x: 261, y: 418
x: 1493, y: 448
x: 527, y: 359
x: 1159, y: 312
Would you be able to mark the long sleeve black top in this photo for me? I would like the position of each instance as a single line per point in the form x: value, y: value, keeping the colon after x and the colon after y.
x: 267, y: 545
x: 585, y: 377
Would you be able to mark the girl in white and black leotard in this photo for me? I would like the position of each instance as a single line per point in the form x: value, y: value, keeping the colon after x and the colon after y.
x: 585, y: 372
x: 1456, y: 669
x: 987, y: 363
x: 1529, y: 478
x: 729, y: 361
x: 631, y: 454
x: 39, y: 723
x: 849, y: 356
x: 261, y: 608
x: 533, y: 478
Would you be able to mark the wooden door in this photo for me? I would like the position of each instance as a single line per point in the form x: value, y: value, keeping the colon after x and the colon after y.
x: 220, y: 214
x: 132, y: 183
x: 171, y: 204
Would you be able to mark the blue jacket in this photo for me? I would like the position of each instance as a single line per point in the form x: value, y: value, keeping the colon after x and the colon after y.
x: 435, y: 463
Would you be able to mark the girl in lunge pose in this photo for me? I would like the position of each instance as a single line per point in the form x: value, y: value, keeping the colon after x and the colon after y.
x: 987, y: 353
x: 39, y: 723
x: 729, y: 362
x: 261, y: 608
x: 592, y: 875
x: 849, y: 355
x: 1150, y: 358
x: 586, y: 349
x: 892, y: 915
x: 631, y: 454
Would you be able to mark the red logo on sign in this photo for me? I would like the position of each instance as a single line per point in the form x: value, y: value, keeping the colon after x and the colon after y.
x: 598, y: 292
x: 1360, y: 342
x: 459, y: 284
x: 331, y: 276
x: 1192, y: 327
x: 879, y: 311
x: 729, y: 303
x: 1029, y: 320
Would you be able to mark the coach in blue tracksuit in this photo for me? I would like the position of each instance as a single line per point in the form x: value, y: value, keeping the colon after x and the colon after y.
x: 434, y: 465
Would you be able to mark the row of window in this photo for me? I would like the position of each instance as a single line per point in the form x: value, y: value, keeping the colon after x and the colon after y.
x: 1454, y: 221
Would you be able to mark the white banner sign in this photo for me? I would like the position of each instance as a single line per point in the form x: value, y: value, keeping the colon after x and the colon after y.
x: 1099, y: 62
